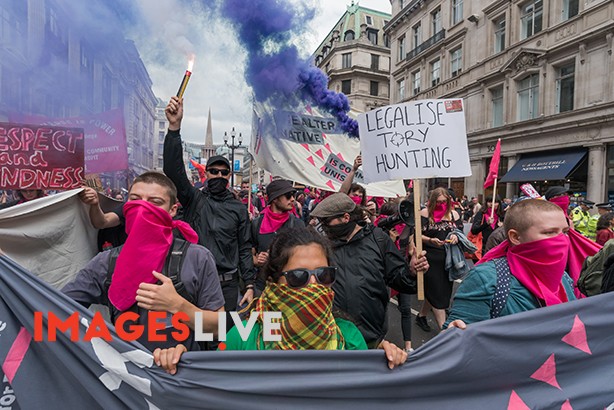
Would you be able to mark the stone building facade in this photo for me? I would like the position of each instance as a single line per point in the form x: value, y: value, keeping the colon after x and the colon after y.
x: 356, y: 57
x: 535, y: 73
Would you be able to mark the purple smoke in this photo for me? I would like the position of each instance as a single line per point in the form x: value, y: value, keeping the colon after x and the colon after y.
x: 274, y: 68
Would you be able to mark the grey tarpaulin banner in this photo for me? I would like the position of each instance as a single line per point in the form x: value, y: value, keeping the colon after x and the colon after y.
x: 555, y: 357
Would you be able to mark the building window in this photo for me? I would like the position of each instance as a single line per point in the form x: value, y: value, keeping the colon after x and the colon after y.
x: 374, y: 88
x: 435, y: 72
x: 346, y: 87
x: 415, y: 80
x: 401, y: 89
x: 325, y: 51
x: 496, y: 98
x: 499, y: 35
x: 374, y: 62
x: 348, y: 36
x: 565, y: 88
x: 346, y: 60
x: 161, y: 135
x: 162, y: 125
x: 456, y: 61
x: 402, y: 51
x: 531, y: 19
x: 436, y: 21
x: 570, y: 9
x: 457, y: 11
x: 372, y: 36
x: 369, y: 20
x: 401, y: 4
x: 160, y: 147
x: 386, y: 40
x: 417, y: 35
x: 528, y: 97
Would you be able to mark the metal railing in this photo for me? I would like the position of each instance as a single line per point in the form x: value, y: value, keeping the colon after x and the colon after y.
x: 427, y: 44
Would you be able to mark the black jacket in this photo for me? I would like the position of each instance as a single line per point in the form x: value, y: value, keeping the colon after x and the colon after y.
x: 221, y: 221
x: 364, y: 275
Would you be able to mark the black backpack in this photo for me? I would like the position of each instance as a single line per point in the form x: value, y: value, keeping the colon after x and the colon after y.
x: 172, y: 269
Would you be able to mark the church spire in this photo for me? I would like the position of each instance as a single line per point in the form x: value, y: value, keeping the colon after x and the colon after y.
x: 209, y: 135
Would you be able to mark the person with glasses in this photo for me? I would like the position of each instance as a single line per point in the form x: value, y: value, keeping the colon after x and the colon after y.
x: 299, y: 286
x: 276, y: 216
x: 221, y: 221
x: 369, y: 263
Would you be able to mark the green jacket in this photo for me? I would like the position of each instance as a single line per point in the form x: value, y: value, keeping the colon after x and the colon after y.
x: 351, y: 334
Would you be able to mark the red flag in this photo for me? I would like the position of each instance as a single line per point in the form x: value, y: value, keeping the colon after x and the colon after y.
x: 494, y: 166
x: 200, y: 168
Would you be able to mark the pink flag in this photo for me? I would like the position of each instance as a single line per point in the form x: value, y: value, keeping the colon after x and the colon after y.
x: 494, y: 166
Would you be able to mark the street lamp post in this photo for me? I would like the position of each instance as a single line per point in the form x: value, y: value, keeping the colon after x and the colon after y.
x: 232, y: 147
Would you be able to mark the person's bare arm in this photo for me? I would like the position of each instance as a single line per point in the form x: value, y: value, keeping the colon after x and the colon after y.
x: 345, y: 186
x: 99, y: 219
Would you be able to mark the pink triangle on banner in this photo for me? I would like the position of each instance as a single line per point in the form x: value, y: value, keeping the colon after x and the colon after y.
x: 577, y: 336
x: 328, y: 147
x: 516, y: 402
x: 306, y: 146
x: 310, y: 159
x: 547, y: 373
x: 330, y: 184
x: 566, y: 406
x: 323, y: 135
x: 323, y: 168
x: 319, y: 153
x: 340, y: 156
x: 308, y: 108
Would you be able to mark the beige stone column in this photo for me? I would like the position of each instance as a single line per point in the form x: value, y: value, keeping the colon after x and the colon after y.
x: 595, y: 185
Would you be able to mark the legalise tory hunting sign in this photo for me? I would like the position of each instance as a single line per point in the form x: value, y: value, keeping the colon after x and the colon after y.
x: 418, y: 139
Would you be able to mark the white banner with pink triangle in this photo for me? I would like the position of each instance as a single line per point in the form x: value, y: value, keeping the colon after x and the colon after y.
x: 307, y: 146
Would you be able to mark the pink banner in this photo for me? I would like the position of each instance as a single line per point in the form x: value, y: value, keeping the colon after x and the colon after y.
x: 105, y: 137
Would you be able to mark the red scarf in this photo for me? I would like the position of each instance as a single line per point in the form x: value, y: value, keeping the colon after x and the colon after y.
x: 486, y: 215
x: 562, y: 202
x: 271, y: 221
x: 538, y: 265
x: 440, y: 211
x: 150, y: 235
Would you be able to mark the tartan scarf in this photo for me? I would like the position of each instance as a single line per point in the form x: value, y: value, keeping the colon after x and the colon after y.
x: 307, y: 321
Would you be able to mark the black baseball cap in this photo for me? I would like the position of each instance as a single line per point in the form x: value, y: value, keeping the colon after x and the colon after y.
x: 218, y: 159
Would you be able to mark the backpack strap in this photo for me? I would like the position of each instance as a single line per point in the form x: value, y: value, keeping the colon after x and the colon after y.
x: 502, y: 289
x: 173, y: 265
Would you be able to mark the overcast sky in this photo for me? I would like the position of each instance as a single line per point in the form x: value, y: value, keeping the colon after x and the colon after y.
x: 217, y: 82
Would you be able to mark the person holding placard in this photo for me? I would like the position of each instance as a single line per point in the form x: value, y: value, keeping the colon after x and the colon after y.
x: 438, y: 220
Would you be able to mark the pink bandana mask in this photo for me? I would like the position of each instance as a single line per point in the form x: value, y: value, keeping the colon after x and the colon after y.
x: 150, y: 236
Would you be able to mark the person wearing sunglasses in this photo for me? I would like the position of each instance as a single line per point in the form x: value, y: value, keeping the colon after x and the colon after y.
x: 221, y: 221
x: 276, y: 216
x: 300, y: 279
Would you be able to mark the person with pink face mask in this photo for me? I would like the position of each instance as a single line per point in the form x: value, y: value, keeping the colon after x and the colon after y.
x: 438, y: 220
x: 356, y: 192
x: 525, y: 272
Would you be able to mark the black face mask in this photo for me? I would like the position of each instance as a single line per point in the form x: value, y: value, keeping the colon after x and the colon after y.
x: 340, y: 231
x: 217, y: 185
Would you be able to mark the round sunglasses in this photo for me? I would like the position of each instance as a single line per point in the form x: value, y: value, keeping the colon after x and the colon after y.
x: 297, y: 278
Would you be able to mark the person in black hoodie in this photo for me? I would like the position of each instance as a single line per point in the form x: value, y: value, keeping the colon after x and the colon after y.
x: 221, y: 221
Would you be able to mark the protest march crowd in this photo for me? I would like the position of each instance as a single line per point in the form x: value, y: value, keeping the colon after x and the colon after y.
x: 328, y: 261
